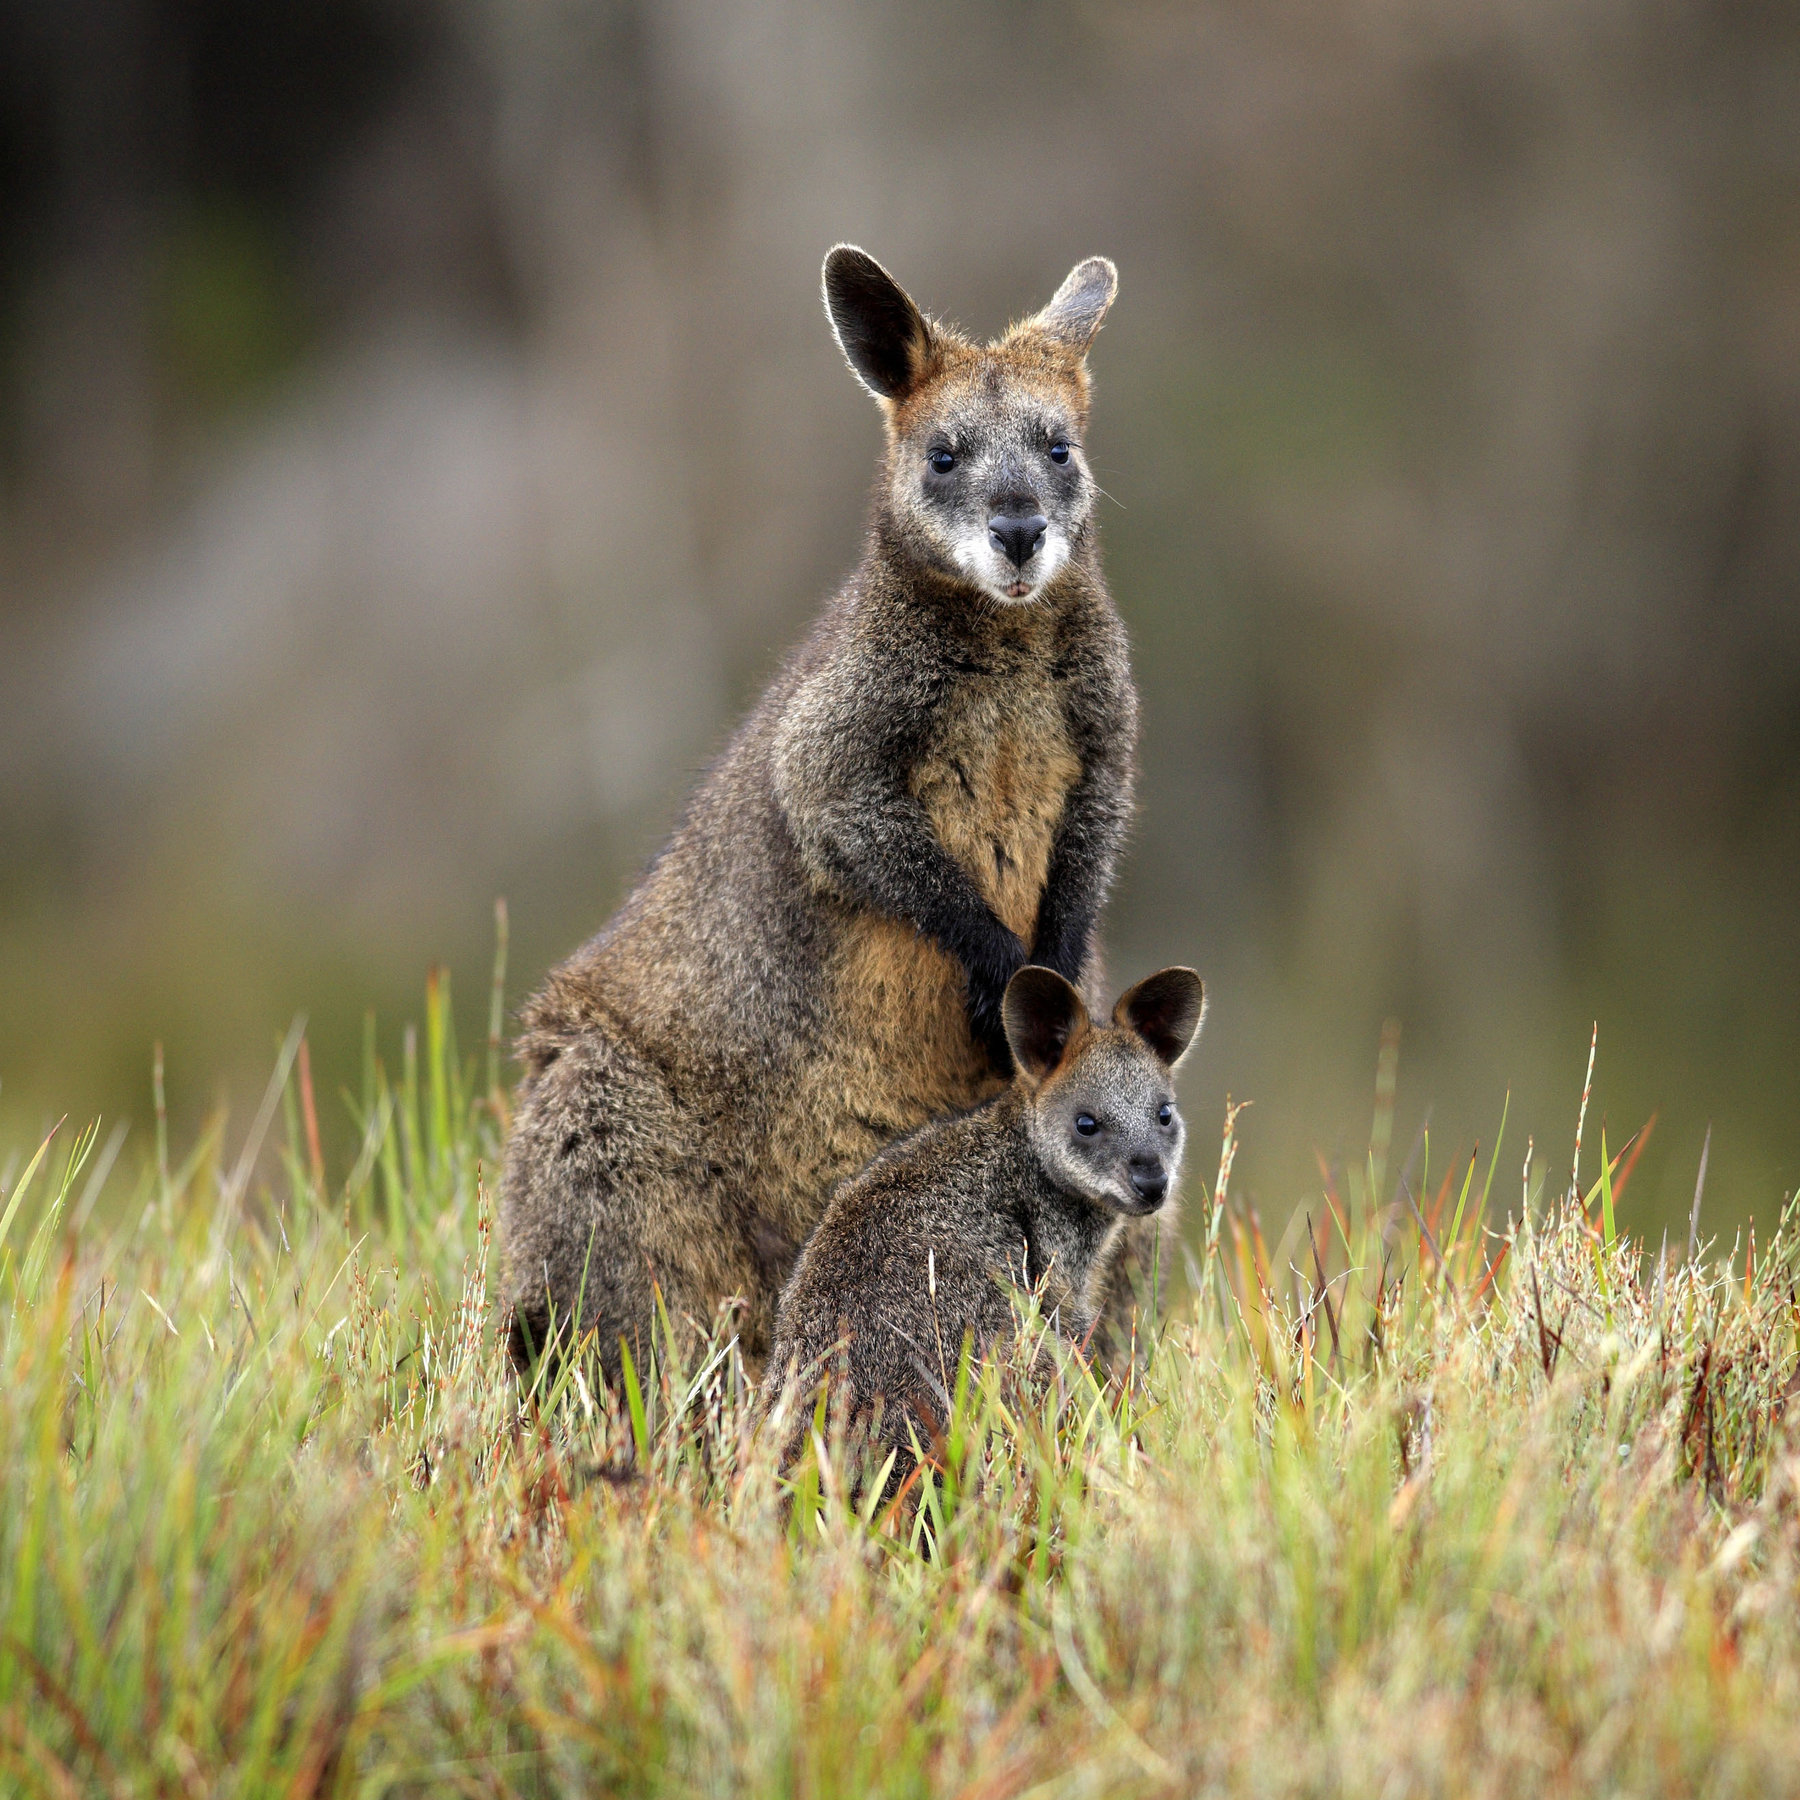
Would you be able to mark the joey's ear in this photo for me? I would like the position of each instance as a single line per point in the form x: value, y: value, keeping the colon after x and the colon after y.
x: 883, y: 336
x: 1041, y: 1013
x: 1164, y: 1009
x: 1074, y: 315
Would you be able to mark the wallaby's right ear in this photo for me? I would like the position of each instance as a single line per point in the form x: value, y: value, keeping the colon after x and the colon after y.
x: 883, y: 336
x: 1165, y: 1010
x: 1078, y: 306
x: 1042, y: 1013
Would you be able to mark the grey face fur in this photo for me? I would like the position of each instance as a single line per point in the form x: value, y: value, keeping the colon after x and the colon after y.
x: 1109, y: 1129
x: 996, y: 479
x: 985, y: 463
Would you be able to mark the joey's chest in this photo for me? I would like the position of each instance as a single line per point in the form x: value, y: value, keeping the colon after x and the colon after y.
x: 993, y: 779
x: 1070, y: 1247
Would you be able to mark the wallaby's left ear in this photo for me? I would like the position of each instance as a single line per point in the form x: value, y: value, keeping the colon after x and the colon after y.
x: 1164, y: 1009
x: 1074, y: 315
x: 1042, y: 1013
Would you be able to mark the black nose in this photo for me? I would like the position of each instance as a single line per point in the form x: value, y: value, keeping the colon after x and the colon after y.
x: 1149, y: 1182
x: 1018, y: 538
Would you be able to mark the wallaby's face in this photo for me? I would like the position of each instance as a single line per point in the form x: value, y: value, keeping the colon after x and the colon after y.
x: 989, y: 471
x: 986, y: 475
x: 1103, y: 1120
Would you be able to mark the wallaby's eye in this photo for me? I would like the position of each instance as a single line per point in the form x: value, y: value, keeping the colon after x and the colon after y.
x: 942, y: 460
x: 1165, y: 1114
x: 1086, y: 1124
x: 1059, y: 452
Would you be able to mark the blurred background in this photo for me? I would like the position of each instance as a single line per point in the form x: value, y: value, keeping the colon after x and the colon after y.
x: 420, y: 438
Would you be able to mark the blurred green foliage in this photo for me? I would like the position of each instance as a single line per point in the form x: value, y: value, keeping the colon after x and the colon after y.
x: 227, y: 308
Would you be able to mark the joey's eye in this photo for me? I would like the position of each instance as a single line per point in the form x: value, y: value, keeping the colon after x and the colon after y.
x: 942, y: 460
x: 1059, y: 452
x: 1165, y: 1114
x: 1086, y: 1124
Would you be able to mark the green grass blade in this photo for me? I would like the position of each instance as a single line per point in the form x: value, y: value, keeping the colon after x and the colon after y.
x: 634, y: 1402
x: 1494, y: 1160
x: 23, y: 1184
x: 1609, y: 1230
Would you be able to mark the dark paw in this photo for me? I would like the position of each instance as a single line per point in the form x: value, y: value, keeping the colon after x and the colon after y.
x: 987, y: 967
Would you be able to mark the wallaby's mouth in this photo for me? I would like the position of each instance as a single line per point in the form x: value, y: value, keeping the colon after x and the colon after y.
x: 998, y: 576
x: 1135, y: 1206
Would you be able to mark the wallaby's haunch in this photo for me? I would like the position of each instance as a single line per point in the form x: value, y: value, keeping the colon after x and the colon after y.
x: 1032, y: 1190
x: 932, y: 792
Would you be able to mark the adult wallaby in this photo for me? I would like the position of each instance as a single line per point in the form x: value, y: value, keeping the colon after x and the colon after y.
x: 932, y: 792
x: 1033, y: 1190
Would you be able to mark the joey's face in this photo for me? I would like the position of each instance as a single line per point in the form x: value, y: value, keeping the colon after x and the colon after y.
x: 1100, y: 1103
x: 1106, y: 1125
x: 987, y: 471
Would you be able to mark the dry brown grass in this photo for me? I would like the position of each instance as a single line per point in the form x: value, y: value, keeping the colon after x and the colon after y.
x: 1387, y: 1516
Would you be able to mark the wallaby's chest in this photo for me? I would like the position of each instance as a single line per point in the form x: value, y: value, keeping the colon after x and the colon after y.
x: 993, y: 781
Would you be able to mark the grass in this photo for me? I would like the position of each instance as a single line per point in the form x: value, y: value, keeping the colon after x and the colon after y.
x: 1414, y: 1504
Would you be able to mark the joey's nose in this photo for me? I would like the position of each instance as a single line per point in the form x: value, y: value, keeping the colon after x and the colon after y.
x: 1149, y: 1182
x: 1017, y: 537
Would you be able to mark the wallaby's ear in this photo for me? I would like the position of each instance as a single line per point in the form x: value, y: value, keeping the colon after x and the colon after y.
x: 883, y: 336
x: 1074, y: 315
x: 1041, y: 1013
x: 1164, y: 1009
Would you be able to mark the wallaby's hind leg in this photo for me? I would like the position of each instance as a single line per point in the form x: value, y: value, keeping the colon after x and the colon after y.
x: 599, y: 1172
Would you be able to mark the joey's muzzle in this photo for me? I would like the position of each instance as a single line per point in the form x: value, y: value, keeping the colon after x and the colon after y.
x: 1150, y: 1182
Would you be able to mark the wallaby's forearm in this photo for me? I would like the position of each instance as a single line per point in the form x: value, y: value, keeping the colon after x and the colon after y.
x: 1083, y: 858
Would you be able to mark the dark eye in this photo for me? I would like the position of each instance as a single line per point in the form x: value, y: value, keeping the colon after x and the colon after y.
x: 942, y: 460
x: 1165, y: 1114
x: 1086, y: 1124
x: 1059, y: 452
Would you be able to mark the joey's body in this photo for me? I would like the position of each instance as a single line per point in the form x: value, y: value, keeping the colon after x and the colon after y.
x: 928, y: 1245
x: 934, y: 788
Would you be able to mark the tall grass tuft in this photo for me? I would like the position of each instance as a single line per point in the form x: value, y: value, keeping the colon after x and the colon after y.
x: 1420, y: 1501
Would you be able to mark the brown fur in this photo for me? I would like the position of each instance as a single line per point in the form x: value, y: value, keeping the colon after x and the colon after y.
x: 932, y: 789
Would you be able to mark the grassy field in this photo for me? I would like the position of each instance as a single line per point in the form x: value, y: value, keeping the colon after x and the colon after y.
x: 1412, y: 1505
